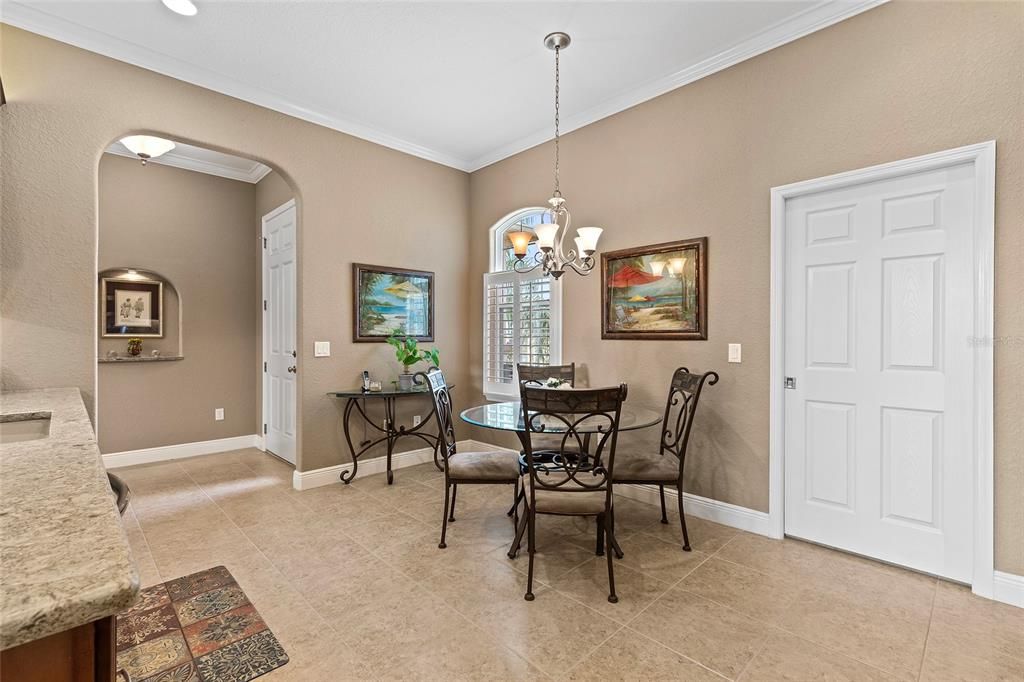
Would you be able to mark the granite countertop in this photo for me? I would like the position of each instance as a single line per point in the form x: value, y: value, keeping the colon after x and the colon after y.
x: 64, y: 556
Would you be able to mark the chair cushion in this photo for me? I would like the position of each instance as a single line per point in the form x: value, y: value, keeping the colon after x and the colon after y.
x: 566, y: 500
x: 646, y: 466
x: 484, y: 466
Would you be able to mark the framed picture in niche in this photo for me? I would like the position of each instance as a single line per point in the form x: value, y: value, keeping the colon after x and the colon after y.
x: 655, y: 292
x: 386, y: 299
x: 132, y: 307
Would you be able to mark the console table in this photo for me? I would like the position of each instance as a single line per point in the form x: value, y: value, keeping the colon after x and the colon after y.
x: 391, y: 432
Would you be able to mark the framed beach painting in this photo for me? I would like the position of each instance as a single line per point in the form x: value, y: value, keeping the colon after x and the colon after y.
x: 386, y: 299
x: 655, y: 292
x: 132, y: 307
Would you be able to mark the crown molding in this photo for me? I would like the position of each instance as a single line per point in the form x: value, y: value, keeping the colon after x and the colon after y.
x: 256, y: 173
x: 812, y: 19
x: 817, y: 17
x: 32, y: 19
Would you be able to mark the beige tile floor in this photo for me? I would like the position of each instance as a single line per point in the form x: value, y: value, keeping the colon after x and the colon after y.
x: 351, y: 581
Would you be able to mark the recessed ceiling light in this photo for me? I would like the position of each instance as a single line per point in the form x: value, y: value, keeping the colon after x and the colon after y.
x: 184, y: 7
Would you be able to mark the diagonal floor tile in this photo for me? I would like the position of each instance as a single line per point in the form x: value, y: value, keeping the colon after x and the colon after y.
x: 659, y: 559
x: 786, y: 657
x: 758, y: 595
x: 709, y: 633
x: 588, y: 584
x: 629, y: 655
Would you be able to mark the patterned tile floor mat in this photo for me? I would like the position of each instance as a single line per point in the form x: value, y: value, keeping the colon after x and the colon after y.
x: 199, y: 628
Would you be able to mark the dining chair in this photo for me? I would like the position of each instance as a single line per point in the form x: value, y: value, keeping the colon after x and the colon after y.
x: 539, y: 374
x: 665, y: 467
x: 490, y: 468
x: 574, y: 485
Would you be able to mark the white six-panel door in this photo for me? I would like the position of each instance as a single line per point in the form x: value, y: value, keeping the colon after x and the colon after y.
x: 279, y: 343
x: 878, y: 314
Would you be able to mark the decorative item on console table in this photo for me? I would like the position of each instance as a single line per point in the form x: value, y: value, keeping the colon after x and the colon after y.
x: 134, y: 347
x: 408, y: 353
x: 655, y: 292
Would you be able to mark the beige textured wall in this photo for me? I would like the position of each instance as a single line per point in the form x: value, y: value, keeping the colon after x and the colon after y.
x: 66, y: 105
x: 197, y: 231
x: 898, y: 81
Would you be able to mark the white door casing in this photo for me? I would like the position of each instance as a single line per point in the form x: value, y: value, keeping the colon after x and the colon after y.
x: 280, y: 348
x: 882, y: 282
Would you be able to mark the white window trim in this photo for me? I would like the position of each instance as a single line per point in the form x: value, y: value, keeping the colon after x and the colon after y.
x: 502, y: 393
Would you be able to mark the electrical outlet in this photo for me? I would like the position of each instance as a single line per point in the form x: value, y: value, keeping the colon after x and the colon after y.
x: 735, y: 352
x: 218, y: 414
x: 416, y: 420
x: 321, y: 349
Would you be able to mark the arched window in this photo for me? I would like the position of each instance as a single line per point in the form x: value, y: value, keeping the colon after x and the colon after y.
x: 522, y: 311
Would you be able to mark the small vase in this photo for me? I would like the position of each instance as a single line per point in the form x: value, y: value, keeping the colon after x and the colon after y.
x: 135, y: 347
x: 405, y: 382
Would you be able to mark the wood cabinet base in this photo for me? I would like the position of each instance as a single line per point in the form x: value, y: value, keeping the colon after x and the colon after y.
x: 83, y: 654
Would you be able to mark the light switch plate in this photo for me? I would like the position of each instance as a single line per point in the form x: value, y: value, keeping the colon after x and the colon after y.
x: 321, y: 349
x: 735, y: 352
x: 218, y: 414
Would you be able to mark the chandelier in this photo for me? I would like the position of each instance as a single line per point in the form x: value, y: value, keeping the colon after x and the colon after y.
x: 550, y: 234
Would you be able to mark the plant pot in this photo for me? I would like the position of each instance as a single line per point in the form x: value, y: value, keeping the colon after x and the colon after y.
x: 405, y: 382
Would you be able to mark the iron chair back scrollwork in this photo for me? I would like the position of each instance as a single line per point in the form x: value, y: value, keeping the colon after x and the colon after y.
x: 500, y: 467
x: 443, y: 410
x: 666, y: 468
x: 574, y: 484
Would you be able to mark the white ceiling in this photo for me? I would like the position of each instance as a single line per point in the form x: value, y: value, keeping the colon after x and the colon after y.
x: 203, y: 160
x: 461, y: 83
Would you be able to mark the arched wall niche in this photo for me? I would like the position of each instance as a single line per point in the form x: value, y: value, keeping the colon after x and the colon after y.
x: 171, y: 344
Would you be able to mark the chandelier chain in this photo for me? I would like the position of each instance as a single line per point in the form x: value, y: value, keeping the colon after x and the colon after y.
x: 558, y: 50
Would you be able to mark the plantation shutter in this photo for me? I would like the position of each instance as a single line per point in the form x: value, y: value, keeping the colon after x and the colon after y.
x: 521, y: 324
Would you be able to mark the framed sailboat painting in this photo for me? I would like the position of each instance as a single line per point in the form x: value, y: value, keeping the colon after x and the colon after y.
x: 655, y: 292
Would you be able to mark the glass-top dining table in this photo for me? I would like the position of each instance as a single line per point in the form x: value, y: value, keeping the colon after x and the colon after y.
x: 508, y: 416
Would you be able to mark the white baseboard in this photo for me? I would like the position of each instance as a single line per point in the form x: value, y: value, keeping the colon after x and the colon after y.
x: 314, y: 478
x: 1008, y: 588
x: 161, y: 454
x: 724, y: 513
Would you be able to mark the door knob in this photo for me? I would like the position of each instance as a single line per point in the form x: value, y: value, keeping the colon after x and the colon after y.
x: 292, y: 369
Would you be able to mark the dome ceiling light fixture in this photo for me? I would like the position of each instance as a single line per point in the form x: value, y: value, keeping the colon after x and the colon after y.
x: 185, y: 8
x: 553, y: 258
x: 147, y: 147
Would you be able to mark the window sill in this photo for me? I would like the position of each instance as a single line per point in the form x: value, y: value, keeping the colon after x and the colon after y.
x: 501, y: 397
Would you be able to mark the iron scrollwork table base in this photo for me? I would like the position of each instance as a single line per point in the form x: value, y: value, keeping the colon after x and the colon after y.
x: 389, y: 434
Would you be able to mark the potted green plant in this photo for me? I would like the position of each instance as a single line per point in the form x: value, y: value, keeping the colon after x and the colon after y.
x: 408, y: 352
